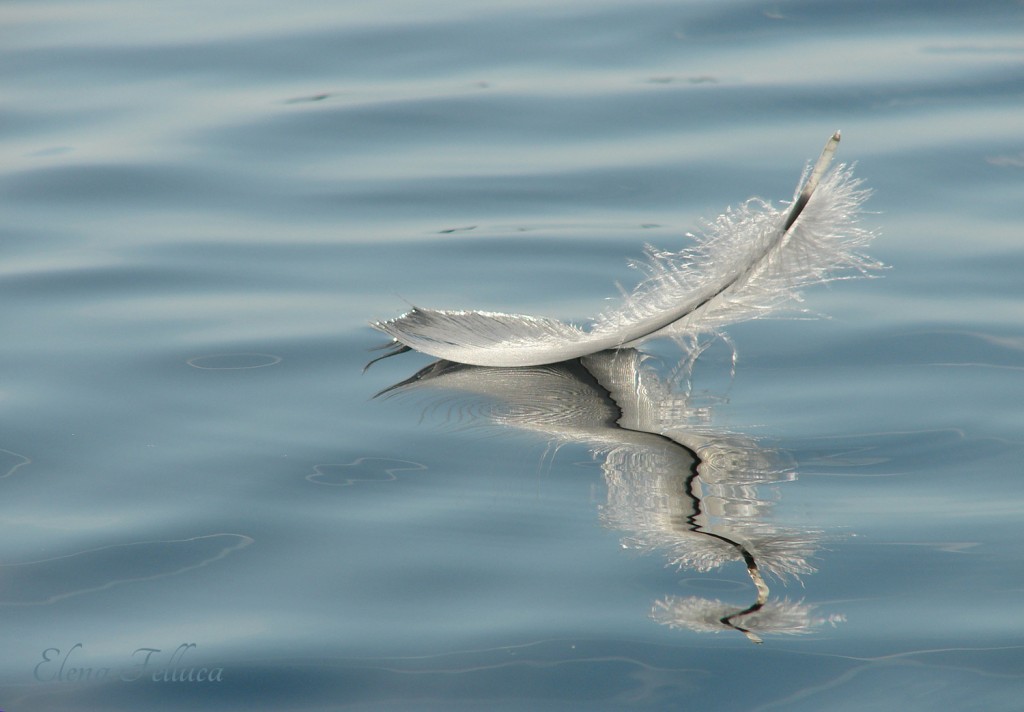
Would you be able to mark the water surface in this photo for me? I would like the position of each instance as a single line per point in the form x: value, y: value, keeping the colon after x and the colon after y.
x: 204, y: 205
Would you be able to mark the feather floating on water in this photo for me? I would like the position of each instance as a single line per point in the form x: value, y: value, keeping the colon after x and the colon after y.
x: 750, y: 261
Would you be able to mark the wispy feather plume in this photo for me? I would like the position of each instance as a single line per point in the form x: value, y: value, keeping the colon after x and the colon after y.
x: 751, y: 261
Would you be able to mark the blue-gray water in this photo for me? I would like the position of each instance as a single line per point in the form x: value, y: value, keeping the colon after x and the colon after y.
x: 204, y: 203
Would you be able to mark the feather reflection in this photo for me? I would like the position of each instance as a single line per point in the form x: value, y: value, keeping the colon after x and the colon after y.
x: 676, y: 485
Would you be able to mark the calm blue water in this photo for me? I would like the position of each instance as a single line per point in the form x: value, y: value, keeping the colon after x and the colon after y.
x: 205, y: 203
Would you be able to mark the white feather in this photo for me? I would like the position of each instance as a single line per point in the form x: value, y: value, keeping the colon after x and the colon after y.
x: 749, y: 262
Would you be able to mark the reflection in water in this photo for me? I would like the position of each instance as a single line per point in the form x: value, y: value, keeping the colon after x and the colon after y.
x: 675, y: 484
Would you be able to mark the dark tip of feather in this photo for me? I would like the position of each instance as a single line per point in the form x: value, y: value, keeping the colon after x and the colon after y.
x: 396, y: 348
x: 798, y: 207
x: 386, y: 345
x: 812, y: 181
